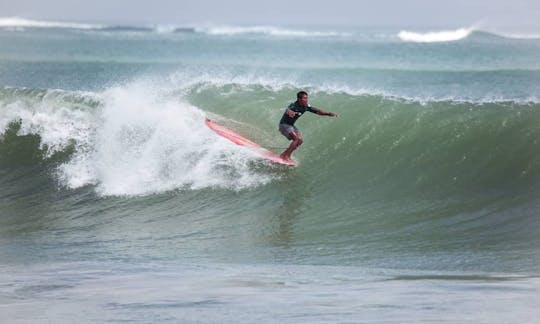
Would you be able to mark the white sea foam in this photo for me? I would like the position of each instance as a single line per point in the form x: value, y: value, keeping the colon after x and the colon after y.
x: 138, y: 141
x: 58, y: 122
x: 435, y: 36
x: 146, y: 145
x: 17, y: 22
x: 266, y: 30
x: 165, y: 29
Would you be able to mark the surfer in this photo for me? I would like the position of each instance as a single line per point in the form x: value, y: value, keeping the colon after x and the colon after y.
x: 292, y: 113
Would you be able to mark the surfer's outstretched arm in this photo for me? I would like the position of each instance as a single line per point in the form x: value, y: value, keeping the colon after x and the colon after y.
x: 325, y: 113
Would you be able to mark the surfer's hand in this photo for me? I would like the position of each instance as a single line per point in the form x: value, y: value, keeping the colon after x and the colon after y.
x: 291, y: 113
x: 331, y: 114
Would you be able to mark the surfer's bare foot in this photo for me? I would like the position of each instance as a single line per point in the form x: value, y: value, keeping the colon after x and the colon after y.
x: 285, y: 157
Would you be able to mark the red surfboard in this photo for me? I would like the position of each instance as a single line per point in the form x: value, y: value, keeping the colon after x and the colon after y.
x: 242, y: 141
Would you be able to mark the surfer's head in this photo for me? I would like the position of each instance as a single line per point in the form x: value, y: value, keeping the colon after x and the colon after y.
x: 302, y: 98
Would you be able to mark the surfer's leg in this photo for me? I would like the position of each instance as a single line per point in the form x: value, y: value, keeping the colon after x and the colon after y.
x: 297, y: 140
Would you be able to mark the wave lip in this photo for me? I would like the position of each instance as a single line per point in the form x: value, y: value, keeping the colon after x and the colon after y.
x: 18, y: 22
x: 436, y: 36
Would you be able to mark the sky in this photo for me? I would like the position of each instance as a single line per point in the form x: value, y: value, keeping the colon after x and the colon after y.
x: 524, y: 14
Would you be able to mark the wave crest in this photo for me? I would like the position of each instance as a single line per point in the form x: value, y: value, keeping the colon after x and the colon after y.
x: 436, y: 36
x: 17, y: 22
x: 267, y: 30
x: 127, y: 140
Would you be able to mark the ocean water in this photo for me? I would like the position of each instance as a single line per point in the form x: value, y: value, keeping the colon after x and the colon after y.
x: 419, y: 203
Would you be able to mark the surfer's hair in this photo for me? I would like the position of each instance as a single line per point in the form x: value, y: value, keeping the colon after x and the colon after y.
x: 300, y: 94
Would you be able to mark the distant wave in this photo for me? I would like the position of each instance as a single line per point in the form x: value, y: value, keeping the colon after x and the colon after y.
x: 520, y: 36
x: 120, y: 28
x: 16, y: 22
x: 459, y: 34
x: 436, y: 36
x: 267, y: 30
x: 22, y: 22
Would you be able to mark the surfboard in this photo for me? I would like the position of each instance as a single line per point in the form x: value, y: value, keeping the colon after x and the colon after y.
x: 249, y: 144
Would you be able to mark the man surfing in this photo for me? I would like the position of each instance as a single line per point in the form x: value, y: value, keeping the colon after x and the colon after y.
x: 293, y: 112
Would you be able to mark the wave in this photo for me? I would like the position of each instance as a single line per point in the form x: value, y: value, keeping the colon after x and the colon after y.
x: 520, y: 36
x: 124, y: 143
x: 121, y: 28
x: 198, y: 79
x: 486, y: 35
x: 396, y: 147
x: 16, y: 22
x: 435, y: 36
x: 141, y: 139
x: 460, y: 34
x: 267, y: 30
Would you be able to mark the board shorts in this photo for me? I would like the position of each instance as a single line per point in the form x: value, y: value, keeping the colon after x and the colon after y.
x: 286, y: 130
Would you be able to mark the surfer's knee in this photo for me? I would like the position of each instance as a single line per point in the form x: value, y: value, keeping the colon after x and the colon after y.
x: 297, y: 142
x: 297, y: 137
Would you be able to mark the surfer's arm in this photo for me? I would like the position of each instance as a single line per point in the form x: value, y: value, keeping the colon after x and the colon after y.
x: 322, y: 112
x: 291, y: 113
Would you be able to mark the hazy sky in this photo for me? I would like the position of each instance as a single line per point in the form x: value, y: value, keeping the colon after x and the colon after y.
x: 413, y: 13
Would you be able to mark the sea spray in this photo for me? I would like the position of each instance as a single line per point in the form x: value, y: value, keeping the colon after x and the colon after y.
x: 134, y: 141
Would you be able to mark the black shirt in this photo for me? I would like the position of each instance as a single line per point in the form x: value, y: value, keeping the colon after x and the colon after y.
x: 300, y: 110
